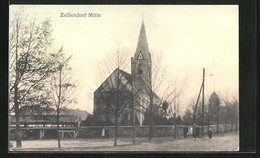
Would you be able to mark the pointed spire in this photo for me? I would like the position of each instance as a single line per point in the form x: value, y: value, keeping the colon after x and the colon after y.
x: 142, y: 45
x: 142, y: 16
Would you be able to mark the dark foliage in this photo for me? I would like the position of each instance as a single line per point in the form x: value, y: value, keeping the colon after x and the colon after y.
x: 93, y: 120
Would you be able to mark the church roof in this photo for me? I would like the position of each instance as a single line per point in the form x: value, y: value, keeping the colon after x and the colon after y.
x: 142, y: 45
x: 110, y: 82
x: 125, y: 79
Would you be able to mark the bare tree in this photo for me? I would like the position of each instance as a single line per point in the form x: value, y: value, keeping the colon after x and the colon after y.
x: 187, y: 117
x: 161, y: 88
x: 30, y: 64
x: 236, y: 112
x: 230, y: 112
x: 196, y: 117
x: 117, y: 58
x: 62, y: 87
x: 115, y: 93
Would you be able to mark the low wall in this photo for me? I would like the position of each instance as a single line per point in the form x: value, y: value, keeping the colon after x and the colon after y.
x: 159, y: 131
x: 123, y: 131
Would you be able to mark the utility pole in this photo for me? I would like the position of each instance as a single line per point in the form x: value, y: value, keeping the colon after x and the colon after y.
x: 203, y: 84
x: 194, y: 112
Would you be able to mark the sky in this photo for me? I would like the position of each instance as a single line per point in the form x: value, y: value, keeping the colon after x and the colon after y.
x: 189, y: 37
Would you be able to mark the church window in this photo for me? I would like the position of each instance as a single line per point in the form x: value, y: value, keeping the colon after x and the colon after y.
x: 140, y: 55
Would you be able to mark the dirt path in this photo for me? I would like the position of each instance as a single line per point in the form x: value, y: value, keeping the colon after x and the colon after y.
x: 227, y: 142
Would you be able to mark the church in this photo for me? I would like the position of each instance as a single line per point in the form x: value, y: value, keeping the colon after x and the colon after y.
x: 121, y: 90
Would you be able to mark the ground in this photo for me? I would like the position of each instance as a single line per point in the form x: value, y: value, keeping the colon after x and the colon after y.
x: 222, y: 142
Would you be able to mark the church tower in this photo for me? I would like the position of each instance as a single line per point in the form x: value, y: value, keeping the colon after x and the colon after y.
x: 141, y: 72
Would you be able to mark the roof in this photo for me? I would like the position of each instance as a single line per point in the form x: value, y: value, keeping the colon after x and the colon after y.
x: 43, y: 119
x: 123, y: 76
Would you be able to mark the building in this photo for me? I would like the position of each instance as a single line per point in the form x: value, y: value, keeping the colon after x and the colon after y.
x: 121, y: 90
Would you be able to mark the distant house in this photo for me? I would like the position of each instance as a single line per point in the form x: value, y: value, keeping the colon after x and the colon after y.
x: 135, y: 88
x: 44, y: 120
x: 41, y: 116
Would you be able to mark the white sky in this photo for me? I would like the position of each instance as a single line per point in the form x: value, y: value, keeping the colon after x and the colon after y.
x: 190, y: 37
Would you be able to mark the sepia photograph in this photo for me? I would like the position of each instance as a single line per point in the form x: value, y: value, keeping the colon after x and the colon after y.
x: 123, y: 78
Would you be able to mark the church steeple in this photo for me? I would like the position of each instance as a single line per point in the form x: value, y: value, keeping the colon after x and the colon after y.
x: 141, y: 66
x: 142, y: 50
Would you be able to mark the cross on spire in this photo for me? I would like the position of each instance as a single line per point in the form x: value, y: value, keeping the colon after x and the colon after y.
x: 212, y: 75
x: 142, y: 16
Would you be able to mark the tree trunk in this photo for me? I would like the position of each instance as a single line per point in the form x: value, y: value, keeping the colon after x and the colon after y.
x: 217, y: 123
x: 117, y: 106
x: 58, y: 126
x: 133, y: 119
x: 16, y: 102
x: 175, y: 121
x: 236, y: 126
x: 58, y: 111
x: 231, y: 129
x: 151, y: 119
x: 226, y: 125
x: 208, y: 123
x: 115, y: 141
x: 175, y: 126
x: 17, y: 119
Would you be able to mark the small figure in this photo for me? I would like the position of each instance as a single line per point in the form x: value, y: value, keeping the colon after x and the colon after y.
x: 185, y: 132
x: 210, y: 134
x: 103, y: 132
x: 196, y: 131
x: 190, y: 131
x: 106, y: 133
x: 10, y: 144
x: 78, y: 121
x: 174, y: 135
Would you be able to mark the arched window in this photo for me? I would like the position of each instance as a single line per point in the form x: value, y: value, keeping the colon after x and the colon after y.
x: 139, y: 70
